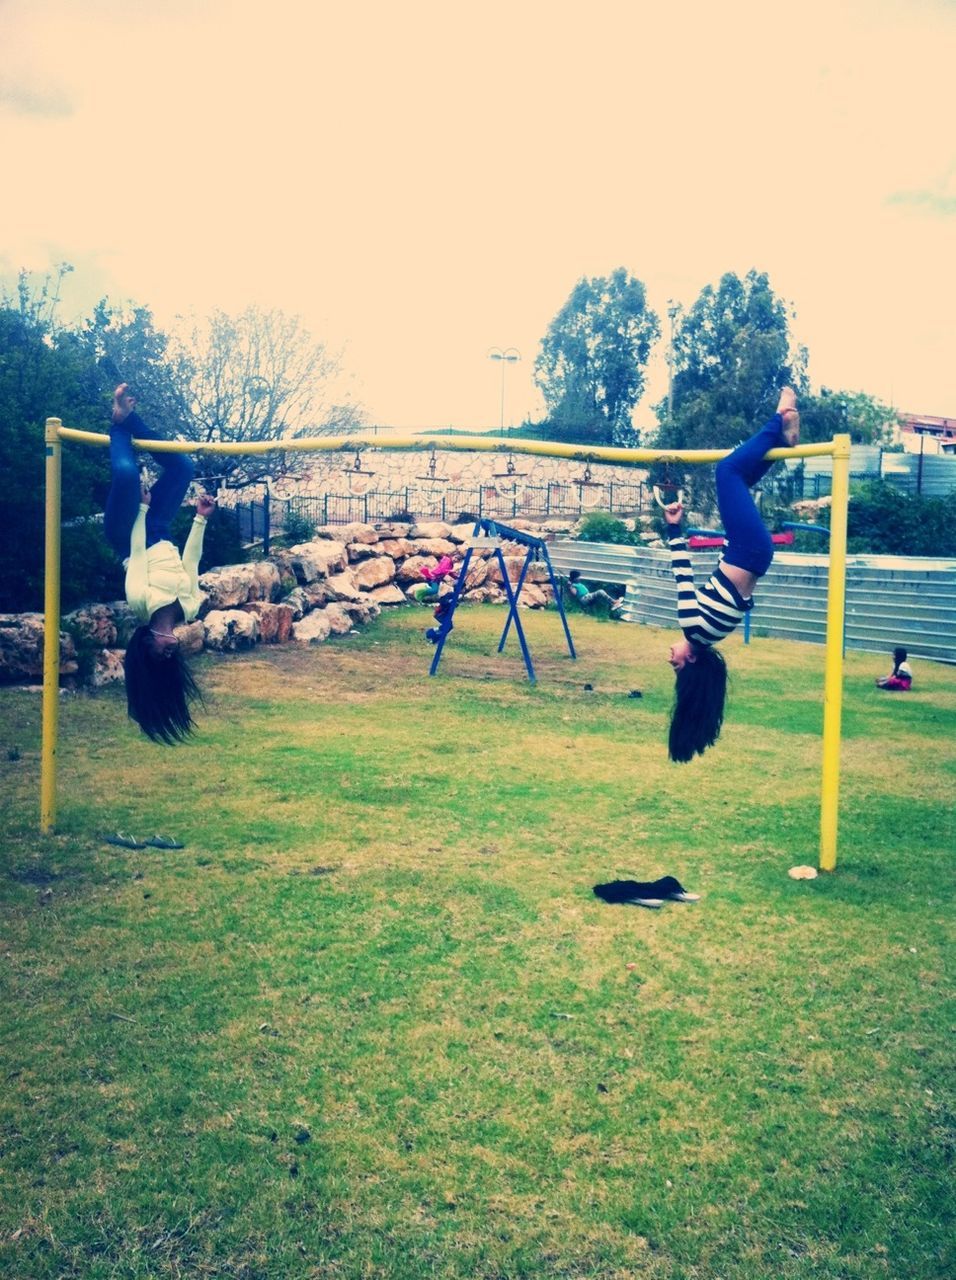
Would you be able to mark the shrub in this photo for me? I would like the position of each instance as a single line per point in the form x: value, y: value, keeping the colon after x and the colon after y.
x: 599, y: 526
x: 883, y: 520
x: 298, y: 528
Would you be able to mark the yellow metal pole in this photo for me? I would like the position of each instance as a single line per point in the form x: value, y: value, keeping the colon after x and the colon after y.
x: 51, y: 629
x: 833, y: 681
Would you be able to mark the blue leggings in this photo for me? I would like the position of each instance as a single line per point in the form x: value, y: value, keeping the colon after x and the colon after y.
x: 748, y: 541
x: 125, y: 495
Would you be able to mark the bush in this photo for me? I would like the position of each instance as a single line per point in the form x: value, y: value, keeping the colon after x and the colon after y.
x: 883, y: 520
x: 599, y: 526
x: 298, y: 528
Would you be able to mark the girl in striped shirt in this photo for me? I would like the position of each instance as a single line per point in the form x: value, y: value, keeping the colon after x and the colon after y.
x: 706, y: 614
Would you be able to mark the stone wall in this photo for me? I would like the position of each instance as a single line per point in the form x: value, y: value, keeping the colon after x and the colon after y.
x: 340, y: 580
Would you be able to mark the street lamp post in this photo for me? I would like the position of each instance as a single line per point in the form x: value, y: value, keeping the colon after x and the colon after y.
x: 510, y: 355
x: 672, y: 310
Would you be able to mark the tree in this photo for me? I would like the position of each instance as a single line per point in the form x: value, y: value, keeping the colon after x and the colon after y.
x: 868, y: 420
x: 591, y: 366
x: 45, y: 372
x: 731, y: 354
x: 258, y: 376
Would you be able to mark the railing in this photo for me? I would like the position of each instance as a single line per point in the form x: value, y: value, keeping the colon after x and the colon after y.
x: 260, y: 520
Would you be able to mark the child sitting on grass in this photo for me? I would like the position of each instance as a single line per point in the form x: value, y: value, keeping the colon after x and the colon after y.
x: 901, y: 677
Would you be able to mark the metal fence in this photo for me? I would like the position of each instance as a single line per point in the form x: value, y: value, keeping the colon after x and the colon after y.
x: 929, y: 475
x: 258, y: 521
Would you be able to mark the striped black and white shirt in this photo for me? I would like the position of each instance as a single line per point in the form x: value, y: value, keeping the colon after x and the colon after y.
x: 709, y: 613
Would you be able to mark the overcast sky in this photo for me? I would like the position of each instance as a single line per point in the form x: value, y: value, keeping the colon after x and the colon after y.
x: 425, y: 181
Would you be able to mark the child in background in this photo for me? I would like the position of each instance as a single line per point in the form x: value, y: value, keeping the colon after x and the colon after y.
x: 901, y: 677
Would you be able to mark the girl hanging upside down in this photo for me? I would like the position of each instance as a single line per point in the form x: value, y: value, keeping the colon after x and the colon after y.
x: 709, y: 613
x: 162, y: 588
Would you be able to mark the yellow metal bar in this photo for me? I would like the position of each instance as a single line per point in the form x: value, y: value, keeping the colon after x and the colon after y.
x: 471, y: 444
x: 51, y: 629
x: 833, y: 681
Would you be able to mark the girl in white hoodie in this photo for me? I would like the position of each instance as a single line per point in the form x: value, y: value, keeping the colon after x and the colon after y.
x: 162, y: 587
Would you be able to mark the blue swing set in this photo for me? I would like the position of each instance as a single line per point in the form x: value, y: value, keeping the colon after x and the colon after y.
x: 489, y: 535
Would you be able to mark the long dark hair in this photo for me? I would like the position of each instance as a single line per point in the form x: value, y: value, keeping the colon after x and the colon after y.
x: 159, y: 690
x: 698, y: 705
x: 899, y: 655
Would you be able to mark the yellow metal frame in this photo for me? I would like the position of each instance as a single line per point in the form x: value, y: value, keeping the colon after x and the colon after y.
x: 838, y: 449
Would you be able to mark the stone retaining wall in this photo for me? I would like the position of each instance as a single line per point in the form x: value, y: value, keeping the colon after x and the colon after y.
x: 340, y: 580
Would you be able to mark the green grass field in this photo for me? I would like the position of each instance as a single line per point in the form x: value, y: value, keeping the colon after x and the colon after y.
x: 372, y: 1022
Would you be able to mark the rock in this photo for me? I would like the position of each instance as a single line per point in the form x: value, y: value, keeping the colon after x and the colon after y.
x: 358, y: 551
x: 107, y: 668
x: 362, y: 611
x: 21, y: 648
x: 342, y: 586
x: 387, y: 595
x: 94, y: 623
x: 275, y: 620
x: 191, y: 636
x: 229, y: 630
x: 532, y: 597
x: 313, y: 629
x: 477, y: 573
x: 392, y: 529
x: 298, y: 602
x: 537, y: 570
x: 236, y: 584
x: 486, y: 595
x: 310, y: 561
x: 354, y: 532
x: 433, y: 547
x: 430, y: 529
x: 410, y: 570
x: 125, y: 621
x: 339, y: 620
x: 397, y: 548
x: 374, y: 573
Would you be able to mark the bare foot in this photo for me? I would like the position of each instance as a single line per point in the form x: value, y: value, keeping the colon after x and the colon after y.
x: 123, y: 404
x: 791, y: 427
x: 788, y: 399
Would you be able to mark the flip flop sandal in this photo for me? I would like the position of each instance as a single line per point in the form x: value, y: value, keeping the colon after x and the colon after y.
x: 124, y: 841
x: 163, y: 842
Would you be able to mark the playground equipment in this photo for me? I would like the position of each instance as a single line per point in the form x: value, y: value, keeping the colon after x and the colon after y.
x: 838, y: 449
x: 489, y: 535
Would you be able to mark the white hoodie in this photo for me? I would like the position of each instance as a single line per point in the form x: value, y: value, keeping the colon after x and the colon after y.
x: 158, y: 576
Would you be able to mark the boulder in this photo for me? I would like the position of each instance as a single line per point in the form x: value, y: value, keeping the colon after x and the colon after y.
x: 21, y: 648
x: 107, y: 668
x: 410, y: 570
x: 275, y: 620
x: 229, y: 630
x: 340, y: 623
x: 397, y: 548
x: 191, y: 637
x: 486, y: 595
x: 532, y: 597
x: 93, y: 623
x: 392, y: 529
x: 361, y: 611
x: 342, y: 586
x: 298, y: 602
x: 313, y: 629
x: 125, y: 621
x: 353, y: 532
x: 374, y: 573
x: 310, y: 561
x: 387, y: 595
x: 235, y: 584
x: 433, y: 547
x: 430, y: 529
x: 537, y: 570
x: 477, y: 573
x: 358, y: 551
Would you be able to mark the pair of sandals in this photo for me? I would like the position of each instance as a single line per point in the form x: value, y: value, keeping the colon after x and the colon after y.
x: 125, y: 841
x: 645, y: 893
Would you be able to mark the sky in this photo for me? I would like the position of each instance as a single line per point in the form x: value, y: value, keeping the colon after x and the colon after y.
x: 424, y: 182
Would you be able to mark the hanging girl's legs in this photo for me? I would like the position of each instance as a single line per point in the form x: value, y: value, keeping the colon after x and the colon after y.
x: 749, y: 545
x: 125, y: 495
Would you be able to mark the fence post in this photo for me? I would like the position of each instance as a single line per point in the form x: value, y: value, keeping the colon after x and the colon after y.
x: 365, y: 507
x: 610, y: 496
x: 325, y: 508
x: 265, y: 523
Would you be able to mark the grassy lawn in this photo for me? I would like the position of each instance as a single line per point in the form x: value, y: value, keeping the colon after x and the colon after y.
x: 372, y: 1022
